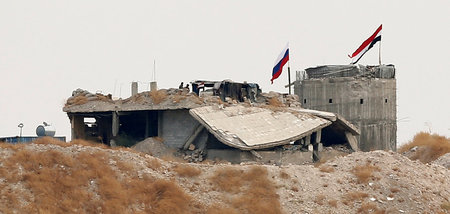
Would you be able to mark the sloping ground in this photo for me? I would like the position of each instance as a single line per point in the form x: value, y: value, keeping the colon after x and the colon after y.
x: 55, y: 177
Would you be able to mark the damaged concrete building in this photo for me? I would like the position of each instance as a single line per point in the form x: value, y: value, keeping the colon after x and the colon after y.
x: 365, y: 95
x: 235, y: 122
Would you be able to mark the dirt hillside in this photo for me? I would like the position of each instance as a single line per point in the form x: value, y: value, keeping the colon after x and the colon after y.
x: 55, y: 177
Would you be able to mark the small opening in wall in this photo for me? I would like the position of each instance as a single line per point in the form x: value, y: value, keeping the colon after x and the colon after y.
x: 330, y: 101
x: 304, y: 100
x: 361, y: 101
x: 385, y: 100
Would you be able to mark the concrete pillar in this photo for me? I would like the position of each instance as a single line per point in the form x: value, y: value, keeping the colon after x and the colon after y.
x: 352, y: 141
x: 153, y: 86
x: 77, y: 123
x: 317, y: 146
x: 134, y: 88
x: 307, y: 140
x: 114, y: 128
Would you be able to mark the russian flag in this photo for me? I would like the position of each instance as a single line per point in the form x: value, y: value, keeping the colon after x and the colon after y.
x: 282, y: 59
x: 366, y: 45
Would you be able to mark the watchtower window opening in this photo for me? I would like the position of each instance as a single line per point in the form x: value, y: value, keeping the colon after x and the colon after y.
x: 361, y: 101
x: 330, y: 100
x: 304, y: 100
x: 385, y: 100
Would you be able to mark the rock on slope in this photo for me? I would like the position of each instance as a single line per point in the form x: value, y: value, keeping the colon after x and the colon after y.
x: 80, y: 178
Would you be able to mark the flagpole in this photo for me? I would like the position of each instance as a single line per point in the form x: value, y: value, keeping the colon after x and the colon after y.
x: 379, y: 53
x: 289, y: 77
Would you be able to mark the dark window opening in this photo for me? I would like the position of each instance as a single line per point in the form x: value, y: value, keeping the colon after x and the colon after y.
x: 97, y: 128
x: 330, y: 101
x: 137, y: 126
x: 361, y: 101
x: 304, y: 100
x: 333, y: 136
x: 91, y: 128
x: 385, y: 100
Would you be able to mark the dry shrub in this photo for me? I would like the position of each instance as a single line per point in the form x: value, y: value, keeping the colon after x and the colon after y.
x: 227, y: 179
x: 13, y: 147
x: 85, y: 183
x: 353, y: 196
x: 221, y: 210
x: 258, y: 193
x: 124, y: 166
x: 284, y: 175
x: 294, y: 188
x: 364, y: 172
x: 50, y: 140
x: 78, y: 100
x: 430, y: 147
x: 327, y: 169
x: 274, y: 101
x: 369, y: 207
x: 333, y: 203
x: 260, y: 196
x: 158, y: 96
x: 153, y: 164
x: 319, y: 199
x: 394, y: 190
x: 186, y: 170
x: 446, y: 206
x: 178, y: 98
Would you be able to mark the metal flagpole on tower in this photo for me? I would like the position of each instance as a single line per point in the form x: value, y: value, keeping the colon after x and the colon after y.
x: 289, y: 77
x: 379, y: 53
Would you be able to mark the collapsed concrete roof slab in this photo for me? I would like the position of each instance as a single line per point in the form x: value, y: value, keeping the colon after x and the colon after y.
x: 337, y: 119
x: 249, y: 128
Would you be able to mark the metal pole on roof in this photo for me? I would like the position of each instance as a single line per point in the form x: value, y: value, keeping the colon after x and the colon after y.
x: 379, y: 53
x: 289, y: 77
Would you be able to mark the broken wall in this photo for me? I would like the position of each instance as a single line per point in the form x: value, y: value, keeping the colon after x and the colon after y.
x: 176, y: 126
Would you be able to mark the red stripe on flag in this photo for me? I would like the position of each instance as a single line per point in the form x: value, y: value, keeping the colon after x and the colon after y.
x: 367, y: 42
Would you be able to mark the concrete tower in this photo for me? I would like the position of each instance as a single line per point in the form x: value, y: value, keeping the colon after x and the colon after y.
x: 364, y: 95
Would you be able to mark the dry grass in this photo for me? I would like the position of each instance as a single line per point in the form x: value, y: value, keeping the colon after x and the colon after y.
x: 364, y: 172
x: 274, y: 101
x: 430, y: 147
x: 446, y: 206
x: 319, y: 199
x: 258, y: 193
x: 284, y: 175
x: 353, y: 196
x: 154, y: 164
x: 369, y: 208
x: 78, y: 100
x: 333, y: 203
x: 327, y: 169
x: 227, y: 179
x: 178, y: 98
x: 84, y: 183
x: 158, y: 96
x: 221, y: 210
x: 394, y: 190
x: 186, y: 170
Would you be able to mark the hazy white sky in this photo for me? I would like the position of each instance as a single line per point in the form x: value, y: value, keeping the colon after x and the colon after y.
x: 50, y: 48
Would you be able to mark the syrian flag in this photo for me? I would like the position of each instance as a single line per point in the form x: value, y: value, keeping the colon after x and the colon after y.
x: 366, y: 45
x: 282, y: 59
